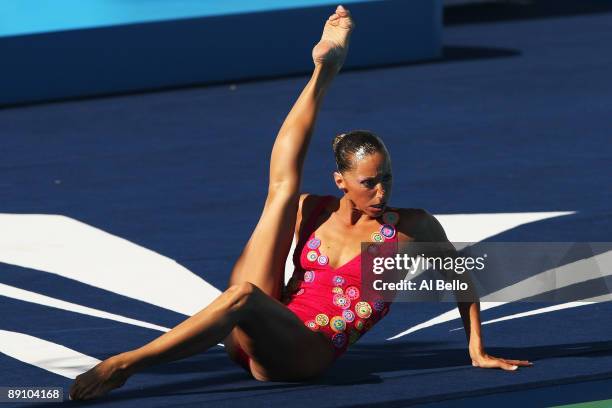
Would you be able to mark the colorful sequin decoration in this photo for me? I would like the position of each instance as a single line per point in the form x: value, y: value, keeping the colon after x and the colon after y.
x: 339, y: 340
x: 348, y: 315
x: 378, y: 305
x: 309, y: 276
x: 338, y: 280
x: 322, y: 260
x: 359, y: 324
x: 321, y: 319
x: 341, y: 301
x: 312, y: 256
x: 352, y: 292
x: 314, y: 243
x: 387, y: 231
x: 363, y: 309
x: 312, y: 325
x: 337, y: 290
x: 376, y: 237
x: 337, y: 324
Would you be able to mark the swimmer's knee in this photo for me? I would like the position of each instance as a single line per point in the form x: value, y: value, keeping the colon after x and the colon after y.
x: 241, y: 294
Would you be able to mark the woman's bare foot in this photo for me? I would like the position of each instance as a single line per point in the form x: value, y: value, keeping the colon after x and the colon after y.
x: 104, y: 377
x: 333, y: 47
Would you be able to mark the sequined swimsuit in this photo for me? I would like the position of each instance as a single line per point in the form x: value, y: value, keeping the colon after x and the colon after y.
x: 329, y: 300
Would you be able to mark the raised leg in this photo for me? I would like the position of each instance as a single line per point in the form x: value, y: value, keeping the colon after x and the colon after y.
x: 279, y: 344
x: 263, y: 258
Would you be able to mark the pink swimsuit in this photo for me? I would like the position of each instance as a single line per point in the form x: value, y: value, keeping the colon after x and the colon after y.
x: 330, y: 300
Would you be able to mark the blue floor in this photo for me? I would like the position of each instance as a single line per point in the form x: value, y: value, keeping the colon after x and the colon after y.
x: 515, y: 118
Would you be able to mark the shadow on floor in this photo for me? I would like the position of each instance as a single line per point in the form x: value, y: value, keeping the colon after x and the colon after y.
x: 362, y: 365
x: 361, y: 362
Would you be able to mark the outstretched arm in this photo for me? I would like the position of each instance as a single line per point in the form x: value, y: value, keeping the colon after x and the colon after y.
x: 294, y: 135
x: 470, y: 312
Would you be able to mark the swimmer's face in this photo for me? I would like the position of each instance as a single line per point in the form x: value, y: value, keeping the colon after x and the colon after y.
x: 368, y: 183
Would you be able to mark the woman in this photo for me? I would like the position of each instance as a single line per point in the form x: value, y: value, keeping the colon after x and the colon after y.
x: 296, y: 333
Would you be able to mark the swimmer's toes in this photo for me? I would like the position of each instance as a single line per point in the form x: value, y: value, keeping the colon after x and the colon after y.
x: 333, y: 20
x: 333, y: 46
x: 336, y: 22
x: 341, y: 11
x: 345, y: 20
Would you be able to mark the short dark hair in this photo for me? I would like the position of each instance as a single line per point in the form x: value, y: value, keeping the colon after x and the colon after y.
x: 345, y: 145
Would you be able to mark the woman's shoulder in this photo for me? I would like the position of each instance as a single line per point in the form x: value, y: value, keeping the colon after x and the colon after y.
x: 416, y: 223
x: 307, y: 204
x: 411, y: 214
x: 308, y: 201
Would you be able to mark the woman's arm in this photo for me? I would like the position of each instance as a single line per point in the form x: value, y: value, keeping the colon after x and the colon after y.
x: 470, y: 315
x: 470, y: 310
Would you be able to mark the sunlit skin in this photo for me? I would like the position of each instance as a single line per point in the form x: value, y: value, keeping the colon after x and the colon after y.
x: 367, y: 183
x: 284, y: 349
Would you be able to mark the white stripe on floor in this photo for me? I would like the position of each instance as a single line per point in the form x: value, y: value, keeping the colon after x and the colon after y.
x: 33, y: 297
x: 75, y: 250
x: 45, y: 354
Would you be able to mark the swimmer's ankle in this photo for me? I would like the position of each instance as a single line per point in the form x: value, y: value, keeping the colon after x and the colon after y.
x: 320, y: 81
x: 324, y: 72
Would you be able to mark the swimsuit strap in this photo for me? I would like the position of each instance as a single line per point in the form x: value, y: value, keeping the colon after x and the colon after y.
x: 309, y: 228
x: 312, y: 218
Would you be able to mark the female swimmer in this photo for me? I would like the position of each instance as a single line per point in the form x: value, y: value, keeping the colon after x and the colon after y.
x: 295, y: 333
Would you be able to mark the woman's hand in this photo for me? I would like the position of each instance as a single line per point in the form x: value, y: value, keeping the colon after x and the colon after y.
x: 483, y: 360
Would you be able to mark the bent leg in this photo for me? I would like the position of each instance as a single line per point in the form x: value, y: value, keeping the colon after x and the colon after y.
x: 278, y: 343
x: 263, y: 321
x: 280, y: 346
